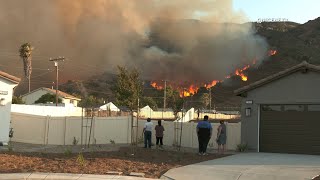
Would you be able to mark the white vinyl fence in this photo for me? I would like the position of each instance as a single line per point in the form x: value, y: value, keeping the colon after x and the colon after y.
x: 189, y: 137
x: 57, y: 111
x: 63, y: 130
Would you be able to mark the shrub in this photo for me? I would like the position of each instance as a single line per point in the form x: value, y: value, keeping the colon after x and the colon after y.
x: 112, y: 142
x: 67, y: 152
x: 242, y: 147
x: 80, y: 160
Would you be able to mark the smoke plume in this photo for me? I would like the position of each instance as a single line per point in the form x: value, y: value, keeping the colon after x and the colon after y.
x: 175, y: 40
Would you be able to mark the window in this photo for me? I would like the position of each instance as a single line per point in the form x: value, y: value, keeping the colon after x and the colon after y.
x: 299, y: 108
x: 271, y: 108
x: 313, y: 107
x: 248, y: 111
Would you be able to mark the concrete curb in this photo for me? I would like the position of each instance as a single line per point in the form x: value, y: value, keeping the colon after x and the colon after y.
x: 63, y: 176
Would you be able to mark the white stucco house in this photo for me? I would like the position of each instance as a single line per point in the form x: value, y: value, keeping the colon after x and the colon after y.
x: 7, y: 83
x: 67, y: 99
x: 109, y: 107
x: 146, y: 108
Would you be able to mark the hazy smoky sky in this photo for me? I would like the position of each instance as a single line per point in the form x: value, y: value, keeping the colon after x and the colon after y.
x: 158, y: 37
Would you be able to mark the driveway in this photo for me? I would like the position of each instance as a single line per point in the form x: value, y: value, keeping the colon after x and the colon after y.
x: 249, y: 166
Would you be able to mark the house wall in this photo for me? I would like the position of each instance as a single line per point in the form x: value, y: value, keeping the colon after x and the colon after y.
x: 297, y: 88
x: 7, y: 88
x: 65, y: 101
x: 75, y: 103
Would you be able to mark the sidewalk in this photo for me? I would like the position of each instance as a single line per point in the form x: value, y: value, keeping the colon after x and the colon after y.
x: 62, y: 176
x: 251, y: 166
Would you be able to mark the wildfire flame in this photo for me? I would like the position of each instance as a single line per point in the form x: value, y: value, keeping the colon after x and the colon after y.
x: 193, y: 89
x: 239, y: 72
x: 272, y: 52
x: 156, y: 86
x: 213, y: 83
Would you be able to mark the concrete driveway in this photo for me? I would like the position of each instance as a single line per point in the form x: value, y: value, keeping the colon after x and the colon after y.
x: 249, y: 166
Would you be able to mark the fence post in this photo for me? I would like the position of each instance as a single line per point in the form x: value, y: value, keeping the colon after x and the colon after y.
x: 129, y: 130
x: 94, y: 130
x: 65, y: 130
x: 48, y: 127
x: 45, y: 130
x: 191, y: 129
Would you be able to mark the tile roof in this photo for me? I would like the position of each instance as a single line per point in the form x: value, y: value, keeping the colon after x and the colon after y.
x: 304, y: 66
x: 53, y: 91
x: 62, y: 94
x: 9, y: 77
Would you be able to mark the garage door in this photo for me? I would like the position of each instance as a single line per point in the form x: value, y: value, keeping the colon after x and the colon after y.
x: 290, y: 129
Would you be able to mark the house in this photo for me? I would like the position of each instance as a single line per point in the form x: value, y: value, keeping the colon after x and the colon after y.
x: 280, y: 113
x: 7, y: 83
x: 34, y: 95
x: 109, y: 107
x: 146, y: 109
x: 146, y: 112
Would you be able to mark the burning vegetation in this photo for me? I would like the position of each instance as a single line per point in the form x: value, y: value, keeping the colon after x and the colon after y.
x: 192, y: 89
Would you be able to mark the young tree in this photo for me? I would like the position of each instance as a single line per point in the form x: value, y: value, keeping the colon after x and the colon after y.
x: 128, y: 88
x: 90, y: 102
x: 148, y: 101
x: 47, y: 98
x: 25, y: 53
x: 174, y: 100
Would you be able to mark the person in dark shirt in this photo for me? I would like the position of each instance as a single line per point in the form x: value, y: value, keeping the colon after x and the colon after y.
x: 159, y: 133
x: 204, y: 132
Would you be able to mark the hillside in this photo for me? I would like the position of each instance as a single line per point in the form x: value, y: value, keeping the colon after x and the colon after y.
x: 294, y: 43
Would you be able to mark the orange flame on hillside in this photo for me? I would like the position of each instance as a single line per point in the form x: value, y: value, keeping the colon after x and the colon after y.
x: 213, y: 83
x: 272, y: 52
x: 239, y: 72
x: 156, y: 86
x: 193, y: 89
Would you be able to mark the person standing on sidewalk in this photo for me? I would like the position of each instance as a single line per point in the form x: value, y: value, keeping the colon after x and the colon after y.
x: 204, y: 132
x: 147, y: 131
x: 159, y: 133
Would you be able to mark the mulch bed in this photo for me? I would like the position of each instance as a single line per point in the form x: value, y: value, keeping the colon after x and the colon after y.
x: 152, y: 162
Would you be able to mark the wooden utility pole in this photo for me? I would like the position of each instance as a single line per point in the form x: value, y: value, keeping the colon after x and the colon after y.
x: 165, y: 94
x: 56, y: 60
x: 164, y: 97
x: 210, y: 99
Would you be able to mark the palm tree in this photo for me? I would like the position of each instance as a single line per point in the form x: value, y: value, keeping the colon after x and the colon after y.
x: 25, y: 53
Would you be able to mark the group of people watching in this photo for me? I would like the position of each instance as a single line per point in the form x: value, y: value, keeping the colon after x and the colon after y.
x: 147, y: 131
x: 204, y: 133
